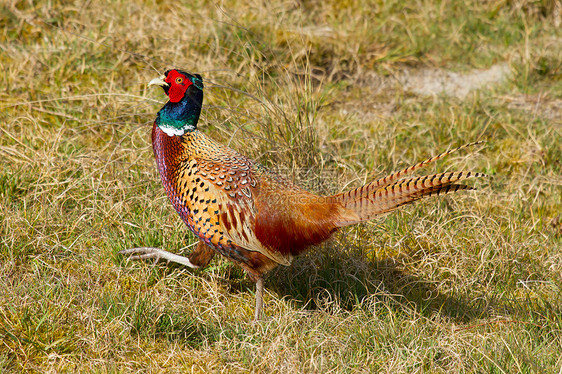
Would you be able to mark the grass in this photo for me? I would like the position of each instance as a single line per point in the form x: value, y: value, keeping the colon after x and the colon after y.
x: 464, y: 283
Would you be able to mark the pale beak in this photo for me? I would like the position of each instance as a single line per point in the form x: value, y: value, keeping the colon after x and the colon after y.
x: 160, y: 81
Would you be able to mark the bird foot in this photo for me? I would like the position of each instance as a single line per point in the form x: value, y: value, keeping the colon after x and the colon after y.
x: 144, y: 253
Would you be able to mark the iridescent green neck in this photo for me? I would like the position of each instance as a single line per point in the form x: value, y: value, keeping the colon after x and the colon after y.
x: 176, y: 119
x: 173, y: 125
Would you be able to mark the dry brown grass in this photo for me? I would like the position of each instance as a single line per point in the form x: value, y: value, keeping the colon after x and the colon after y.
x: 469, y: 283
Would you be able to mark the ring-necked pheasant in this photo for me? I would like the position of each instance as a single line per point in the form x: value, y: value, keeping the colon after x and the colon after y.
x: 247, y: 213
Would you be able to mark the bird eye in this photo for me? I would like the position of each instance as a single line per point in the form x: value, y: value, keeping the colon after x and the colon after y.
x: 179, y: 80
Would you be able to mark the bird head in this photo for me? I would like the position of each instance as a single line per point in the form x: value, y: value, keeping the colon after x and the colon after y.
x: 176, y: 83
x: 185, y: 93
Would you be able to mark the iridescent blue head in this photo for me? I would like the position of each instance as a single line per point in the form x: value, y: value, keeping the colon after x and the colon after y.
x: 181, y: 113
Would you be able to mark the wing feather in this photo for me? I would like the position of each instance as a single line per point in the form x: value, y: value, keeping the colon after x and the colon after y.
x: 236, y: 209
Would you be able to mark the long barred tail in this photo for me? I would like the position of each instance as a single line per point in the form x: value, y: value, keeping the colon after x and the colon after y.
x: 399, y: 174
x: 389, y: 193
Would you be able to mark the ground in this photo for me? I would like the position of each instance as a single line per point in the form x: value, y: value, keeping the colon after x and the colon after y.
x: 331, y: 94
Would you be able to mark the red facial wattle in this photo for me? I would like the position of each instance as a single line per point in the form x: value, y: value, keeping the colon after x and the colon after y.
x: 178, y: 85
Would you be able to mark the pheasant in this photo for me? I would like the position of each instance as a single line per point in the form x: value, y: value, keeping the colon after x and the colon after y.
x: 249, y: 214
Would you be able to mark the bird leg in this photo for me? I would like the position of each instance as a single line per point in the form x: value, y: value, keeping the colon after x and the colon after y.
x: 259, y: 299
x: 144, y: 253
x: 199, y: 258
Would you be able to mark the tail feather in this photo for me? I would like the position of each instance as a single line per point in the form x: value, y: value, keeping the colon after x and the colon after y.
x: 371, y: 200
x: 399, y: 174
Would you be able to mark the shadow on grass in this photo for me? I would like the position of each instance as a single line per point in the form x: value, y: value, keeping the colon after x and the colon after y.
x: 348, y: 278
x: 329, y: 274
